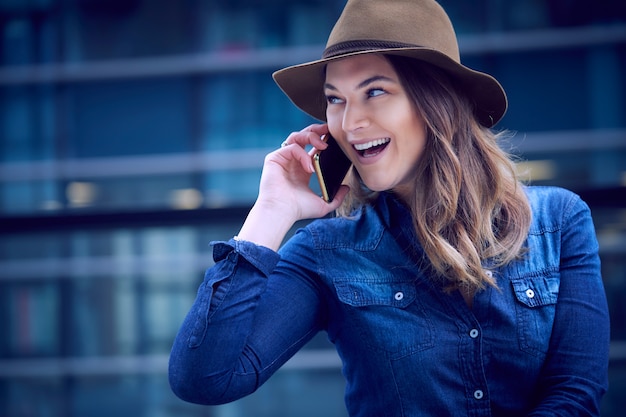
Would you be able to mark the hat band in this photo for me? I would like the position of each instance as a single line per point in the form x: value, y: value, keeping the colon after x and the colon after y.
x: 347, y: 47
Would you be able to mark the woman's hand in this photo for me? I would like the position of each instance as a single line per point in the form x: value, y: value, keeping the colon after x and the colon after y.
x: 284, y: 193
x: 287, y: 173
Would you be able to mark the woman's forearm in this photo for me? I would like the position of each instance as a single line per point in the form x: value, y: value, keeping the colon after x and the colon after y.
x: 265, y: 226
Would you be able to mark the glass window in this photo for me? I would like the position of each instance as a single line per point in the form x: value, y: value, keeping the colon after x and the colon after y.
x: 133, y: 28
x: 29, y: 32
x: 229, y: 29
x: 576, y: 170
x: 18, y: 37
x: 32, y: 314
x: 247, y: 111
x: 38, y: 397
x: 129, y: 117
x: 546, y: 90
x: 231, y: 111
x: 27, y: 123
x: 158, y: 191
x: 21, y: 197
x: 468, y: 17
x: 225, y: 188
x: 309, y: 24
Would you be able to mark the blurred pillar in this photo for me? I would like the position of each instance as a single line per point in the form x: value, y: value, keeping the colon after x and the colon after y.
x: 606, y: 109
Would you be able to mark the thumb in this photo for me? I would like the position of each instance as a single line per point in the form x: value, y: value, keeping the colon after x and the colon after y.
x: 339, y: 197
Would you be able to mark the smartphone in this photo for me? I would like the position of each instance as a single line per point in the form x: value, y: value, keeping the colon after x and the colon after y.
x: 331, y: 166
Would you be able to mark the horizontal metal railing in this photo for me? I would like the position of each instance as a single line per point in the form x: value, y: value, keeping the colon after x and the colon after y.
x: 306, y: 359
x: 259, y: 59
x: 241, y: 159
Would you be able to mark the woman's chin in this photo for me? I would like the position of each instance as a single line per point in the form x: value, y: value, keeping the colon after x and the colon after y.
x: 376, y: 186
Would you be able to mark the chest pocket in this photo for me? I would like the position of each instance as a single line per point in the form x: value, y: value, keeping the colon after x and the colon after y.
x: 536, y: 299
x: 386, y: 314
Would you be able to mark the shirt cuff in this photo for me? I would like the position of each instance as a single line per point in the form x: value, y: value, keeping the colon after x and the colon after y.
x: 262, y: 258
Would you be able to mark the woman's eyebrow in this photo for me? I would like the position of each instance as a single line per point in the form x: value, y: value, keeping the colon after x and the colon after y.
x: 363, y: 83
x: 374, y: 79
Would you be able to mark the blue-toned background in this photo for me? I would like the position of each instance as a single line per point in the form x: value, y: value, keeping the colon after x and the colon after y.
x: 132, y: 133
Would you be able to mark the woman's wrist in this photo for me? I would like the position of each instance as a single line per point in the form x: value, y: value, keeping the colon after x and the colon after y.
x: 266, y: 225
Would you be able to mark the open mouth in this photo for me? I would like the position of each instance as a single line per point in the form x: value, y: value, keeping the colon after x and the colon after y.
x: 372, y: 148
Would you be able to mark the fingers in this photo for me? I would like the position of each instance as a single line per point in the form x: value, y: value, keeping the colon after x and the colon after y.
x: 287, y: 154
x: 303, y: 157
x: 295, y: 144
x: 311, y: 135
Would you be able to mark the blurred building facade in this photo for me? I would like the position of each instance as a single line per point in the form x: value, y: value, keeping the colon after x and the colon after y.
x: 132, y: 133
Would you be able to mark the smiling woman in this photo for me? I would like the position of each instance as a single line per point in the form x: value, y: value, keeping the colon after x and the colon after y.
x: 439, y: 255
x: 373, y: 120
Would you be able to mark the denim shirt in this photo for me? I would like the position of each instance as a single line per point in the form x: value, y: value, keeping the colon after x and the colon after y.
x: 536, y: 345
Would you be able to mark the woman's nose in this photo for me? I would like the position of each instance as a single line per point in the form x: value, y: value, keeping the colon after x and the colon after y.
x: 354, y: 117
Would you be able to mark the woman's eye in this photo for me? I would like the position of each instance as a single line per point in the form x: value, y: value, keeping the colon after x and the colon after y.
x: 374, y: 92
x: 333, y: 99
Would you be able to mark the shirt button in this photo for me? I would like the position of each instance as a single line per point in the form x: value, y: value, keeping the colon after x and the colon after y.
x: 478, y: 394
x: 473, y: 333
x: 530, y: 293
x: 399, y: 295
x: 489, y: 273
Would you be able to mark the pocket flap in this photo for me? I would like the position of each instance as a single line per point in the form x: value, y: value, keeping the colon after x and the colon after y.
x: 359, y: 293
x: 537, y: 291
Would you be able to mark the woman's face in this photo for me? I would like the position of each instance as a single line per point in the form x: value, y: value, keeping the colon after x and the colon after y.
x: 372, y: 118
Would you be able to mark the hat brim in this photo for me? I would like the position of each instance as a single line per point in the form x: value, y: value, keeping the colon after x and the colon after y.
x: 303, y: 83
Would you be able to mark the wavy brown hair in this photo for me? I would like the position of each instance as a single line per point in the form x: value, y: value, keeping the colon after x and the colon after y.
x: 468, y: 206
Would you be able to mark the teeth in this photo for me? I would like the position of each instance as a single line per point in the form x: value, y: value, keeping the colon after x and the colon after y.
x: 371, y: 144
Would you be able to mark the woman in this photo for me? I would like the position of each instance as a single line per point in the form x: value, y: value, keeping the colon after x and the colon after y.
x: 447, y: 287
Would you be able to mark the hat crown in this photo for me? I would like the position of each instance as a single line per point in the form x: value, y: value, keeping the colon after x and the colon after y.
x: 410, y: 23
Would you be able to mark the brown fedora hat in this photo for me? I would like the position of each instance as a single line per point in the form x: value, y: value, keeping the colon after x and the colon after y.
x: 418, y: 29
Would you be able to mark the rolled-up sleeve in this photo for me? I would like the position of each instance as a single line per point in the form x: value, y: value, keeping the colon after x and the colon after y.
x: 228, y: 344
